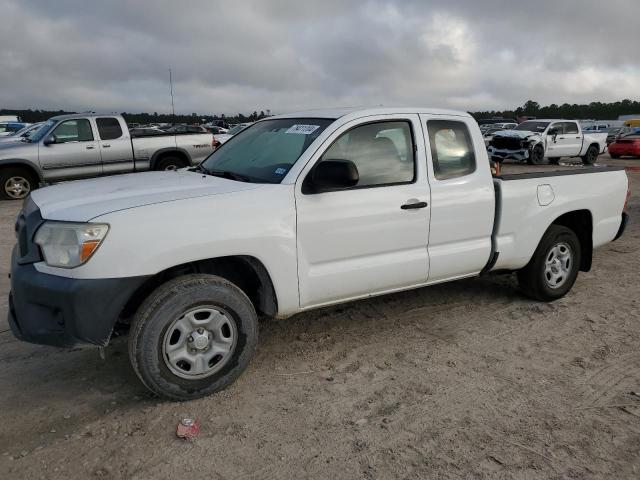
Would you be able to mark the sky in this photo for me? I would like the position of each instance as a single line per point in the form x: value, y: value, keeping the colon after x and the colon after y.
x: 240, y: 56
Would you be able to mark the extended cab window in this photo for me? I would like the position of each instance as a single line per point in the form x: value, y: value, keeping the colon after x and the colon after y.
x: 382, y: 152
x: 451, y: 149
x: 109, y: 128
x: 73, y: 131
x: 570, y: 127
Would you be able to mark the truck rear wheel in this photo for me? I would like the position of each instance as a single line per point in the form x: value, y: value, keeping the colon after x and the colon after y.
x: 16, y: 183
x: 591, y: 156
x: 170, y: 163
x: 537, y: 155
x: 553, y: 269
x: 193, y: 336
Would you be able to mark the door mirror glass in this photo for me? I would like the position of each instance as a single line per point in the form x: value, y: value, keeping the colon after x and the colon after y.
x: 334, y: 175
x: 50, y: 139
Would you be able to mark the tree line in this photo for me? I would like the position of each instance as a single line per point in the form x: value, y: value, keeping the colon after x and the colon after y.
x: 531, y: 108
x: 32, y: 116
x: 591, y: 111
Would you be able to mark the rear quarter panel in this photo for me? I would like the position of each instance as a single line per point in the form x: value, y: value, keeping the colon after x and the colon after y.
x: 198, y: 145
x: 523, y: 220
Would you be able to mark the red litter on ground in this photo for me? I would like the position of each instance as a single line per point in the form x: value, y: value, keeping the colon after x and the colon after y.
x: 188, y: 428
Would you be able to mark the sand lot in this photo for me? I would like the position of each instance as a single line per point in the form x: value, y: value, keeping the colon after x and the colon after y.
x: 464, y: 380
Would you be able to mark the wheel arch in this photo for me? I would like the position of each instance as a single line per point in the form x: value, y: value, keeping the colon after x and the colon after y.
x: 169, y: 152
x: 246, y: 272
x: 581, y: 223
x: 20, y: 162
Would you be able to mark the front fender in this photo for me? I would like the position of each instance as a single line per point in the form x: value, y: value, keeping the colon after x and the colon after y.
x: 23, y: 161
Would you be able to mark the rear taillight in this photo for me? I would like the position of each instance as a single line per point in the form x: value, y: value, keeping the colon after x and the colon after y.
x: 215, y: 143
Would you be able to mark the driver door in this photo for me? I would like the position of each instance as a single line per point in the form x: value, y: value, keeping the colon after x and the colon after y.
x: 74, y: 154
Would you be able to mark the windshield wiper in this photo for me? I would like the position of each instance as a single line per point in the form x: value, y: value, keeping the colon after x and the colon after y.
x: 229, y: 175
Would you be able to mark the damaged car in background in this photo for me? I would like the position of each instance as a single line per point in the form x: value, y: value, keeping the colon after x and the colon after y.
x: 535, y: 140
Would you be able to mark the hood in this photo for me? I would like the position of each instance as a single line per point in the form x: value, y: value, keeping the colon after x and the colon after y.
x: 8, y: 145
x: 515, y: 133
x: 82, y: 200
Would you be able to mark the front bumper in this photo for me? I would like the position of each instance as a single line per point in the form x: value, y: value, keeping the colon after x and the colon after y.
x: 60, y: 311
x: 500, y: 154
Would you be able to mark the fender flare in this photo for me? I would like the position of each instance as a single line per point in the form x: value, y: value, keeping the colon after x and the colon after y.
x: 162, y: 151
x: 22, y: 161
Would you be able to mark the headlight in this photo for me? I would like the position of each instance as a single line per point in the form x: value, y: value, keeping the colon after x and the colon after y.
x: 66, y: 244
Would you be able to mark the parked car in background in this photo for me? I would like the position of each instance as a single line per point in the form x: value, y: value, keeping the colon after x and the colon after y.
x: 22, y: 133
x: 616, y: 132
x: 535, y: 140
x: 496, y: 127
x: 298, y: 212
x: 232, y: 131
x: 215, y: 129
x: 629, y: 145
x: 10, y: 118
x: 69, y: 147
x: 10, y: 128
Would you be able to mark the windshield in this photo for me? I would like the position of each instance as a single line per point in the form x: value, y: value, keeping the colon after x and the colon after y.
x: 39, y: 133
x: 532, y: 126
x: 265, y: 151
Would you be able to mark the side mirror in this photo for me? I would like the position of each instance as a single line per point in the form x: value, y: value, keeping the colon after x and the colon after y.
x: 552, y: 131
x: 49, y: 139
x: 334, y: 174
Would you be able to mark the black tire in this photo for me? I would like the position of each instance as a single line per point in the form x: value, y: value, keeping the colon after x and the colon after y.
x: 159, y: 312
x: 533, y: 278
x: 537, y: 155
x: 16, y: 183
x: 170, y: 163
x: 591, y: 156
x: 554, y: 161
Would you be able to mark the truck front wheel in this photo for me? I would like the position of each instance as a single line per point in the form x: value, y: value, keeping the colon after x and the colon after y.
x: 553, y: 269
x: 16, y: 183
x: 193, y: 336
x: 591, y: 156
x: 537, y: 155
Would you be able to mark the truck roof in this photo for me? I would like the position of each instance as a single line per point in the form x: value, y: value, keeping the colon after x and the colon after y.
x: 70, y: 116
x: 335, y: 113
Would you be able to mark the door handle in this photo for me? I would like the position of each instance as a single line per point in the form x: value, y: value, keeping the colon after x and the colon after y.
x: 106, y: 145
x: 90, y: 147
x: 578, y: 138
x: 411, y: 206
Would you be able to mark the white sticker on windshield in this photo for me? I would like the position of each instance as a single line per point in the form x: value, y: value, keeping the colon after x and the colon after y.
x: 303, y: 129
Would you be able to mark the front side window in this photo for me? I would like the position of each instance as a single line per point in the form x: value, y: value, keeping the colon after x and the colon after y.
x: 382, y: 152
x: 266, y: 151
x: 109, y: 128
x: 78, y: 130
x: 558, y: 127
x: 451, y: 149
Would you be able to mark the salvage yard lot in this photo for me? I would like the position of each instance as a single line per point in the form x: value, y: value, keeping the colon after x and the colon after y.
x: 463, y: 380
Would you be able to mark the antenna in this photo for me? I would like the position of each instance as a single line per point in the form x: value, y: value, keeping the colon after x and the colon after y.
x: 173, y: 110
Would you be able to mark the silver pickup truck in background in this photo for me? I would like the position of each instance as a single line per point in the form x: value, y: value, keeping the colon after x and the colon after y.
x: 69, y: 147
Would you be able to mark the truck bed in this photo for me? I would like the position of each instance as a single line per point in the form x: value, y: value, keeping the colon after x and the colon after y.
x: 530, y: 199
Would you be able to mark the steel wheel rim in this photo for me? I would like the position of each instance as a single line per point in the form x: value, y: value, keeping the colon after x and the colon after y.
x: 558, y: 264
x: 199, y: 342
x: 170, y: 168
x: 17, y: 187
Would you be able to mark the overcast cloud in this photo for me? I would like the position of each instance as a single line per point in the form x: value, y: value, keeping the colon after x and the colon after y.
x: 230, y: 57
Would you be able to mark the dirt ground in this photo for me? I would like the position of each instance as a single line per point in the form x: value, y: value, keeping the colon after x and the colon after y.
x: 464, y: 380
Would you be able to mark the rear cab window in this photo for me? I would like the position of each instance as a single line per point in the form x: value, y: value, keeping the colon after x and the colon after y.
x: 452, y: 150
x: 109, y: 128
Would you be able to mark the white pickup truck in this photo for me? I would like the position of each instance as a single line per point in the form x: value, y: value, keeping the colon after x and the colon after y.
x: 296, y: 212
x: 535, y: 140
x: 70, y: 147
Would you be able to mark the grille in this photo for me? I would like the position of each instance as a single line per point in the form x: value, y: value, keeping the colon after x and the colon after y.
x: 508, y: 143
